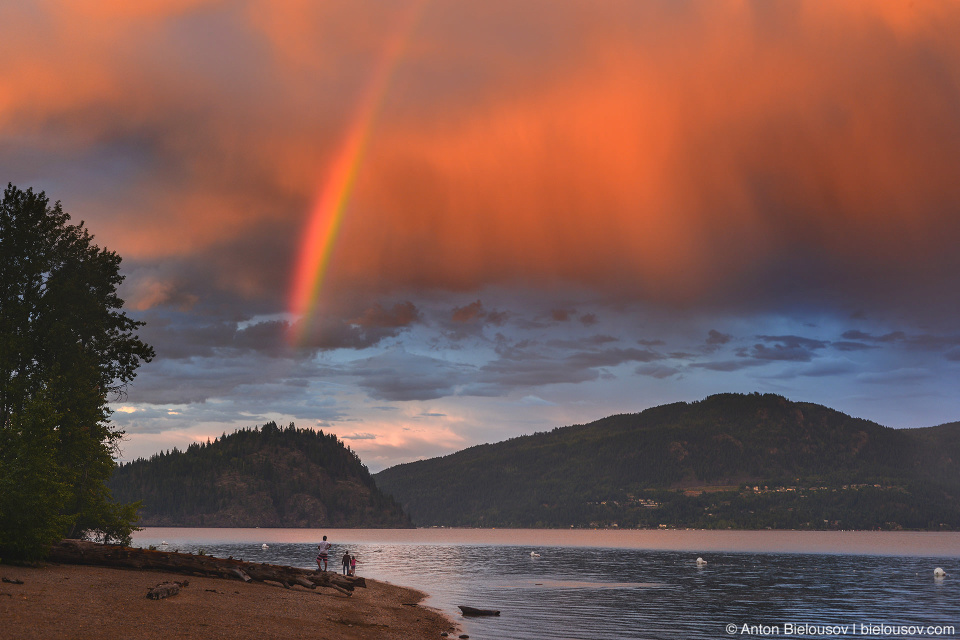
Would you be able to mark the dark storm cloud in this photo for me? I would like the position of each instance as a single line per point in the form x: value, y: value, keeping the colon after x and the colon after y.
x: 595, y: 340
x: 912, y: 342
x: 932, y: 342
x: 336, y: 333
x: 182, y: 336
x: 398, y: 376
x: 727, y: 366
x: 403, y: 314
x: 470, y: 320
x: 175, y: 338
x: 715, y: 341
x: 849, y: 345
x: 527, y: 364
x: 470, y: 313
x: 715, y: 338
x: 200, y: 379
x: 610, y: 358
x: 529, y: 370
x: 659, y: 371
x: 268, y: 337
x: 790, y: 348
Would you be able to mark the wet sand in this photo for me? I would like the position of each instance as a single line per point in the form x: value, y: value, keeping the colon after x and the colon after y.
x: 95, y: 603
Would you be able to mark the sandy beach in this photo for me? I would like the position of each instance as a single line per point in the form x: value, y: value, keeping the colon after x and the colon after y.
x: 94, y: 603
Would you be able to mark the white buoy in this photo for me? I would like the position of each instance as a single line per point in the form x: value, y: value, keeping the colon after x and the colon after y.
x: 701, y: 562
x: 534, y: 554
x: 939, y: 573
x: 264, y: 546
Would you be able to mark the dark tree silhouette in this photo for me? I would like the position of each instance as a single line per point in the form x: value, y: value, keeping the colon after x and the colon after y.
x: 260, y: 477
x: 66, y: 348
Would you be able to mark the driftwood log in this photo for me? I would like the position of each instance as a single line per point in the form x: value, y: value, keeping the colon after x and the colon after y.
x: 165, y: 590
x: 83, y: 552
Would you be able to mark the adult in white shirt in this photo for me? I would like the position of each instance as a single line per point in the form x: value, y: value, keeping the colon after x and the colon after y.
x: 324, y: 547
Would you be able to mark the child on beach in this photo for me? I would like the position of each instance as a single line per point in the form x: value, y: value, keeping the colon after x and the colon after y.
x: 322, y: 556
x: 353, y: 565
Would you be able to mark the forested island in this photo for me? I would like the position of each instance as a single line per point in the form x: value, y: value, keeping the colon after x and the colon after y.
x: 258, y: 477
x: 729, y: 461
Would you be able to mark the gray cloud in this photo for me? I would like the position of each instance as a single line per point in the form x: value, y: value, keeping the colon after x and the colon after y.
x: 468, y: 313
x: 715, y: 338
x: 579, y: 343
x: 849, y: 345
x: 790, y: 348
x: 659, y: 371
x: 403, y: 314
x: 610, y: 357
x: 469, y: 321
x: 588, y: 319
x: 397, y: 376
x: 726, y: 366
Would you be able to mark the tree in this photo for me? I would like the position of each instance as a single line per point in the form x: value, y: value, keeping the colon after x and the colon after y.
x: 66, y: 347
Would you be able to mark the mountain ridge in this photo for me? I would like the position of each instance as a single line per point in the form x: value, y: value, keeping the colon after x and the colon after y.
x: 614, y: 470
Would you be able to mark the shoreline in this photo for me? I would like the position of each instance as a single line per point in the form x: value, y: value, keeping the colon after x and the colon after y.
x: 898, y: 543
x: 101, y: 603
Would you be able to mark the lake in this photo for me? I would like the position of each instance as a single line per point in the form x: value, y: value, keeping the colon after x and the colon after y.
x: 608, y: 584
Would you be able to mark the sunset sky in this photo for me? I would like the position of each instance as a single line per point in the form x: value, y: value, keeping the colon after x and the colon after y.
x: 426, y: 225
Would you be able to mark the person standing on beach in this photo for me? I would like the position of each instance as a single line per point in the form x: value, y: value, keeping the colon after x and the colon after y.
x: 322, y: 556
x: 346, y: 563
x: 353, y: 565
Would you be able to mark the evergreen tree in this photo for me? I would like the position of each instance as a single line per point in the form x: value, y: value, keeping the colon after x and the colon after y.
x: 66, y: 347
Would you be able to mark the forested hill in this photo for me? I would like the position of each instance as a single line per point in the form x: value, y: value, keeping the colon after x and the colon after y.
x: 266, y: 477
x: 731, y: 460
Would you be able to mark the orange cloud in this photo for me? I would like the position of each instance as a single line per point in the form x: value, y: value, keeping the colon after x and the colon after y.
x: 662, y: 150
x: 667, y: 166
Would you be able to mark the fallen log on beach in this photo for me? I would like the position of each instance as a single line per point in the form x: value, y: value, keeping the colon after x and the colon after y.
x: 91, y: 553
x: 165, y: 590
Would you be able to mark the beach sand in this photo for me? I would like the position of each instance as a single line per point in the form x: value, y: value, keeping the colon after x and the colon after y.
x: 95, y: 603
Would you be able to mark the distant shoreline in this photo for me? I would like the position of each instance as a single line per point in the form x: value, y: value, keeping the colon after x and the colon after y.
x: 903, y: 543
x: 98, y: 603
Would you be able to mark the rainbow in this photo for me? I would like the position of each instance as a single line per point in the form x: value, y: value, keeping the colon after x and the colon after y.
x: 330, y: 205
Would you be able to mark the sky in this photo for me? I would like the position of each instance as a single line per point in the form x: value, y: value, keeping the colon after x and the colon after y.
x: 425, y: 225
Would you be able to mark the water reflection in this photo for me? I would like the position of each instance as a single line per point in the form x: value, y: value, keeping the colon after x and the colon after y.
x: 583, y: 592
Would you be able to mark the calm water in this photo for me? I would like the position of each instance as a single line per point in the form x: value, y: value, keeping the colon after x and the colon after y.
x: 598, y: 585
